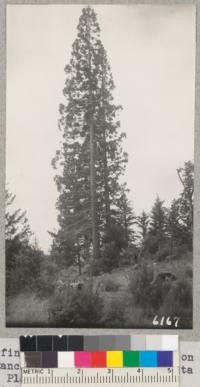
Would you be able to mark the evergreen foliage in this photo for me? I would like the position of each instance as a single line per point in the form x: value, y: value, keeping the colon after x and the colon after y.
x: 17, y: 229
x: 143, y: 224
x: 91, y: 160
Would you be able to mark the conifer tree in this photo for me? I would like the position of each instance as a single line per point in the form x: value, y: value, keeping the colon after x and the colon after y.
x: 125, y: 215
x: 186, y: 177
x: 180, y: 214
x: 143, y: 223
x: 17, y: 229
x: 174, y: 227
x: 158, y: 222
x: 91, y: 158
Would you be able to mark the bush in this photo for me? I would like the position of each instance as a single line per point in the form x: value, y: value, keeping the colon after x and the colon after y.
x: 97, y: 268
x: 189, y: 271
x: 24, y: 272
x: 149, y: 296
x: 128, y: 256
x: 163, y: 253
x: 115, y: 314
x: 179, y: 303
x: 75, y: 308
x: 158, y: 293
x: 140, y: 284
x: 111, y: 286
x: 45, y: 283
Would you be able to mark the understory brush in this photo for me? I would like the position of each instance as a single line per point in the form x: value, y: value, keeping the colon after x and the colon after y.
x: 75, y: 308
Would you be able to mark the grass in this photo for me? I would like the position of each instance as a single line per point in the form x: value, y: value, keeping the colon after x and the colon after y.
x: 26, y: 310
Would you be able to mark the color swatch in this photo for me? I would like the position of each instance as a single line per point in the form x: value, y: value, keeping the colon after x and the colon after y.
x: 99, y: 359
x: 99, y: 343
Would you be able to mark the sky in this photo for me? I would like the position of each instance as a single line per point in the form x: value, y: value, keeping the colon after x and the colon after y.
x: 151, y: 50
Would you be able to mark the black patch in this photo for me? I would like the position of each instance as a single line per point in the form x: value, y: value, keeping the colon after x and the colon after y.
x: 75, y: 343
x: 60, y: 343
x: 27, y: 343
x: 44, y: 343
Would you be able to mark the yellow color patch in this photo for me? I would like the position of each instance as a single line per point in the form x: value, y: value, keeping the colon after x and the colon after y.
x: 114, y: 359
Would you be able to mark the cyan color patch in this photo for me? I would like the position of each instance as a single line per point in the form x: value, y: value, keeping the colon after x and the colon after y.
x: 148, y: 358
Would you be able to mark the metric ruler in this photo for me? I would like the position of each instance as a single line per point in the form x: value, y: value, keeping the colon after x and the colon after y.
x: 115, y: 377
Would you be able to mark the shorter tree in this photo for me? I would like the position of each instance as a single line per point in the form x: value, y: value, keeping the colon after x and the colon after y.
x: 186, y: 177
x: 174, y: 227
x: 17, y: 230
x: 143, y: 224
x: 158, y: 222
x: 124, y: 215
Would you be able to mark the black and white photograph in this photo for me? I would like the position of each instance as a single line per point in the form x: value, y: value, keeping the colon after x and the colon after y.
x: 100, y: 104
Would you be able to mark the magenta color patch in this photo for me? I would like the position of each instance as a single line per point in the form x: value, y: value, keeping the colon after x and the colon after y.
x: 83, y: 359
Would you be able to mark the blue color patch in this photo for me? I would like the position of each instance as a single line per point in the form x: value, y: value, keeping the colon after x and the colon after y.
x: 165, y: 358
x: 148, y: 358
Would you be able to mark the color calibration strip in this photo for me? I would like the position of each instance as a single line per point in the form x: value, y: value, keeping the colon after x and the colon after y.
x: 99, y: 359
x: 99, y: 343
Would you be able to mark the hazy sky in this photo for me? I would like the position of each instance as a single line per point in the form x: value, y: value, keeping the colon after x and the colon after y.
x: 151, y: 50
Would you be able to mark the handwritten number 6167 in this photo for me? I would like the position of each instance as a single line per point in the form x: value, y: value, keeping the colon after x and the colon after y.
x: 166, y: 321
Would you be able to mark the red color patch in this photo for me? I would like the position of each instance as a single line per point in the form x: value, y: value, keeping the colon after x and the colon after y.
x: 99, y: 359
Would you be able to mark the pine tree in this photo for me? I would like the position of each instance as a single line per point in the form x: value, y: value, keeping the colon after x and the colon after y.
x: 91, y: 159
x: 158, y: 218
x: 158, y: 224
x: 125, y: 216
x: 143, y: 223
x: 174, y: 228
x: 17, y: 229
x: 186, y: 177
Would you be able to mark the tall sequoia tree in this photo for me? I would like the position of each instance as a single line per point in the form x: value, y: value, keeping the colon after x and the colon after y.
x: 91, y: 160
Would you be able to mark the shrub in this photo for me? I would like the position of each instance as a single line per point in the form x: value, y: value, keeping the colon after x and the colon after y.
x: 179, y: 303
x: 140, y: 284
x: 45, y: 282
x: 97, y: 268
x: 189, y: 271
x: 158, y: 293
x: 149, y: 296
x: 163, y: 253
x: 75, y: 308
x: 24, y: 272
x: 115, y: 314
x: 111, y: 285
x: 128, y: 256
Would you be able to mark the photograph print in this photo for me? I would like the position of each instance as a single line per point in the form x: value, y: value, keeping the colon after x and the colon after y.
x: 99, y: 166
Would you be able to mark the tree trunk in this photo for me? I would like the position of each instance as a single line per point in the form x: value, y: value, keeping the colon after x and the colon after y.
x: 126, y: 230
x: 106, y: 185
x: 95, y: 239
x: 79, y: 264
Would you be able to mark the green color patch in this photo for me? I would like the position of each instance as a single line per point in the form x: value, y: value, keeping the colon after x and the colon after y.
x: 131, y: 358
